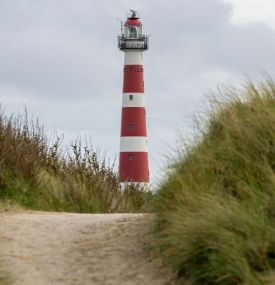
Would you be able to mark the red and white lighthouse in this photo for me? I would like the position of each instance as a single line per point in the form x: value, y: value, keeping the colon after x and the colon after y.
x: 133, y: 159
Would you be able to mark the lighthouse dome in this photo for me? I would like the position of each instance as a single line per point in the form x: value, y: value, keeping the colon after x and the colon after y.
x: 133, y: 22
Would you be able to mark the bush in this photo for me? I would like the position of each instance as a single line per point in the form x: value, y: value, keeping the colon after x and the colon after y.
x: 39, y: 175
x: 215, y: 211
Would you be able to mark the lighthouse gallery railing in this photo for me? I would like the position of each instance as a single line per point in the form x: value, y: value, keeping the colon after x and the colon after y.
x: 133, y: 43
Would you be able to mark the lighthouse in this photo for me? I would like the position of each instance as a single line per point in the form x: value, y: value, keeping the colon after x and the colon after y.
x: 133, y: 158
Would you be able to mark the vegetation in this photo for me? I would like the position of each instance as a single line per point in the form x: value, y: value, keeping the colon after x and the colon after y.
x: 4, y: 280
x: 216, y: 210
x: 38, y: 175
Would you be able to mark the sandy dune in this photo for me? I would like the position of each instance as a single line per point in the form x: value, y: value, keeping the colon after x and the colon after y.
x: 57, y: 248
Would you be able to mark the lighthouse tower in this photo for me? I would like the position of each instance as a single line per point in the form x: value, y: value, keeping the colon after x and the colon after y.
x: 133, y: 159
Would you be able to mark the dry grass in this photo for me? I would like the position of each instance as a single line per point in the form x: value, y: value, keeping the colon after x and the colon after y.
x: 215, y: 211
x: 5, y: 278
x: 39, y: 175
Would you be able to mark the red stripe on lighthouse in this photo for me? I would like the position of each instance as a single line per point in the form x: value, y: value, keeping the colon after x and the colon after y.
x: 133, y: 167
x: 133, y: 122
x: 133, y: 79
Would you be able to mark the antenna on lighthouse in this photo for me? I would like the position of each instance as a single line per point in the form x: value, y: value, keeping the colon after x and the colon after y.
x: 121, y: 25
x: 134, y: 14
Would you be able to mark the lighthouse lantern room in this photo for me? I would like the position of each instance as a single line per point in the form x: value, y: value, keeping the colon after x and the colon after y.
x: 131, y: 36
x: 133, y: 158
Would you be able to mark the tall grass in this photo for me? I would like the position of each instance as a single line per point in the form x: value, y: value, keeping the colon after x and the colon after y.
x: 216, y: 210
x: 39, y: 175
x: 5, y: 278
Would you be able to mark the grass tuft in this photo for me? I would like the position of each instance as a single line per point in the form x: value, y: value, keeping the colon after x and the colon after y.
x: 37, y: 174
x: 215, y: 211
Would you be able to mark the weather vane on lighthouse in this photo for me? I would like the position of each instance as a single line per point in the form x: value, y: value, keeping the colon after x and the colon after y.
x: 133, y: 159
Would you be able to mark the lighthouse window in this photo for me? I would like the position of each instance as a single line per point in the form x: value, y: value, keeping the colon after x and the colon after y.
x: 131, y: 97
x: 130, y: 156
x: 130, y: 126
x: 133, y: 32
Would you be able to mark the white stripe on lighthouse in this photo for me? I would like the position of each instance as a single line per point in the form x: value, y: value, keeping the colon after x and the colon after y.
x: 133, y: 144
x: 133, y: 100
x: 133, y: 58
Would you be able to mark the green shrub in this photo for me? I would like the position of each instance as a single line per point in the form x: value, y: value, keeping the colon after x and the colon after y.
x: 215, y: 211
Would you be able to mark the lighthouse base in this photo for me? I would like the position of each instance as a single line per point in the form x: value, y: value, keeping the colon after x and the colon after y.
x: 144, y: 186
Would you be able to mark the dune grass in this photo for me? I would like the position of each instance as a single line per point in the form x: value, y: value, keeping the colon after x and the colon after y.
x: 37, y: 174
x: 215, y: 219
x: 5, y: 278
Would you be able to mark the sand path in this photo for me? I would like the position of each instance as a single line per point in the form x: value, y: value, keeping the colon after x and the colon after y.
x: 56, y: 249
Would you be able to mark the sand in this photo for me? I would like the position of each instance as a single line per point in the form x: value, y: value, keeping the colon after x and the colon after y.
x: 60, y: 248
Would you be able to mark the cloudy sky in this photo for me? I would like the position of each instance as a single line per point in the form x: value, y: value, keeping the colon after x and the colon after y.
x: 59, y: 58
